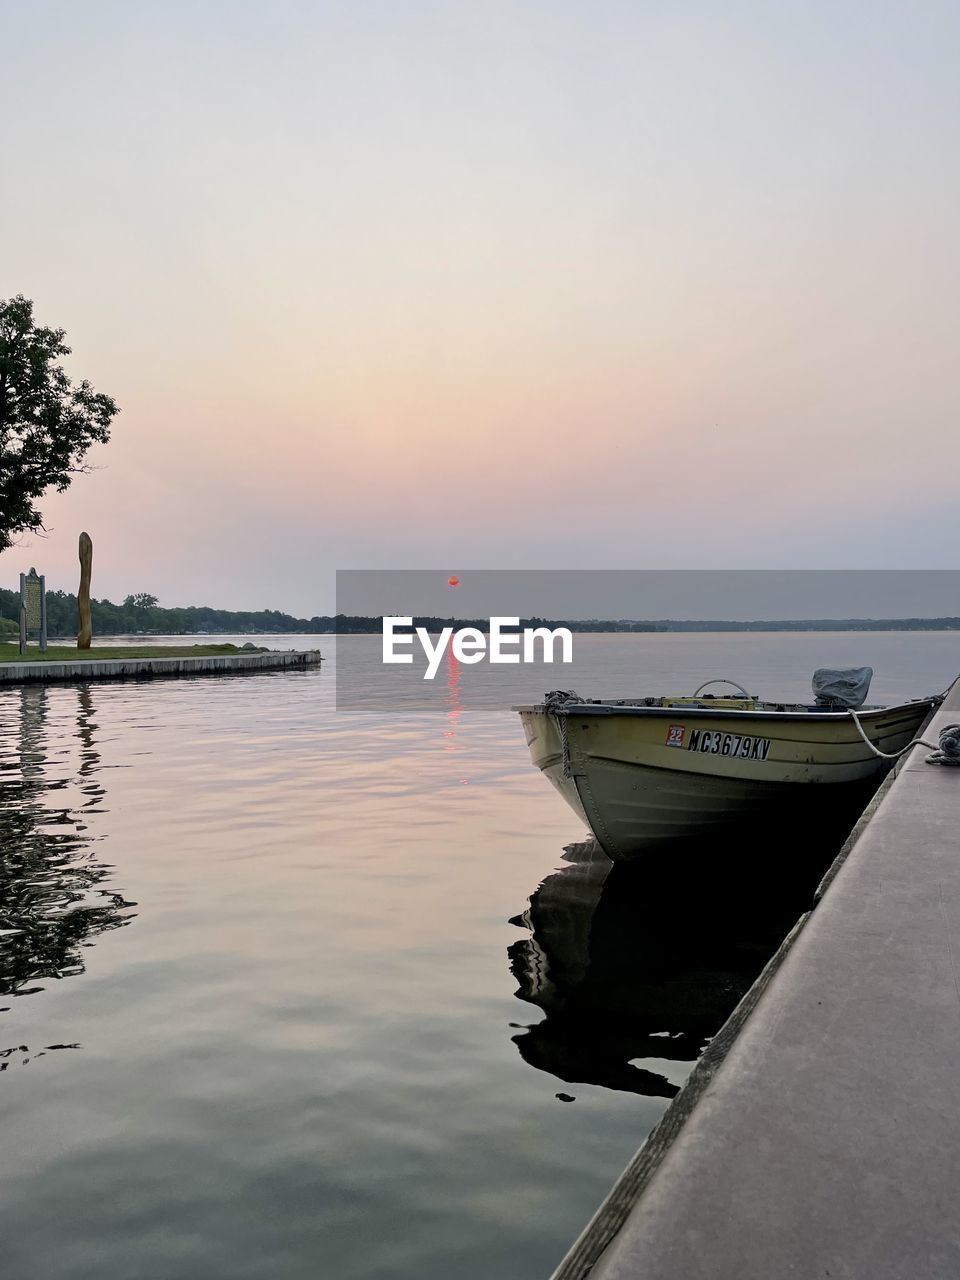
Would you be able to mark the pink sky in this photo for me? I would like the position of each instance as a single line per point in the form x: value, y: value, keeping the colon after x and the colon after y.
x: 501, y: 285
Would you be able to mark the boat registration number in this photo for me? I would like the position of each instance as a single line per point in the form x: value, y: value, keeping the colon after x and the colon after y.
x: 742, y: 745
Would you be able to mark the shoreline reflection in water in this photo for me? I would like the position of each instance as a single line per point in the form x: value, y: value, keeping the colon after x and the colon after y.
x: 52, y: 897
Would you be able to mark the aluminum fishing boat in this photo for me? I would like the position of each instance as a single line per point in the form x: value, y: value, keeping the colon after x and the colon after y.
x: 653, y: 775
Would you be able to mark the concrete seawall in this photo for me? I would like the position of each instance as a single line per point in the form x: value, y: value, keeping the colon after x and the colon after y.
x: 142, y: 668
x: 819, y: 1135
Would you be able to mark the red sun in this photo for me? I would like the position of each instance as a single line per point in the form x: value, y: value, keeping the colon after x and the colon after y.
x: 453, y: 581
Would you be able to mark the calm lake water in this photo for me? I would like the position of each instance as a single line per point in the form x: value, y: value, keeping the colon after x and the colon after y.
x: 294, y: 993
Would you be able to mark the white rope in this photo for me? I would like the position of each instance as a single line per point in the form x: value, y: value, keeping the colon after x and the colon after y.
x: 946, y: 751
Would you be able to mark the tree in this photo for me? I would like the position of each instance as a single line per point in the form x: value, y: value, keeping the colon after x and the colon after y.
x: 46, y: 423
x: 143, y: 600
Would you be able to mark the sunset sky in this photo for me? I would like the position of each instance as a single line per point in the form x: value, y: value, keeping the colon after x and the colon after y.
x: 523, y: 284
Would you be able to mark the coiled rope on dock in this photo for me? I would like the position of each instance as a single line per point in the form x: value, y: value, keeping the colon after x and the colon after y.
x: 946, y: 751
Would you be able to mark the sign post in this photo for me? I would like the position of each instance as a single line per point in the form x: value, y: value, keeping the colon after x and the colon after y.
x: 43, y: 613
x: 23, y: 614
x: 33, y: 608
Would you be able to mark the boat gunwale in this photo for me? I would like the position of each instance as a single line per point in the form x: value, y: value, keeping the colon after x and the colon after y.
x: 676, y: 713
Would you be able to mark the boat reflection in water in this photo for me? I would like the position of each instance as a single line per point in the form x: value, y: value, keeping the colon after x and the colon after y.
x: 637, y: 967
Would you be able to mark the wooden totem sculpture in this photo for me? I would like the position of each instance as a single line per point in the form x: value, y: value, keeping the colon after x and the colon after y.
x: 85, y: 631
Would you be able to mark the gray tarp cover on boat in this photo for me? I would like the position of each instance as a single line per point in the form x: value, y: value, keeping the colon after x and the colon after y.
x: 842, y: 687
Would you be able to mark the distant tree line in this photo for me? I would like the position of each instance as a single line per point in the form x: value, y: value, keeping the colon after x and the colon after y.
x: 813, y: 624
x: 352, y: 624
x: 606, y: 625
x: 345, y: 624
x: 142, y: 614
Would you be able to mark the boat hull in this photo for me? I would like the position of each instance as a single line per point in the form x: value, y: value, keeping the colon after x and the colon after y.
x: 654, y: 780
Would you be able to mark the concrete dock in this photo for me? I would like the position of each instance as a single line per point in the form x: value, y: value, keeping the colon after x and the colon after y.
x: 142, y: 668
x: 819, y: 1135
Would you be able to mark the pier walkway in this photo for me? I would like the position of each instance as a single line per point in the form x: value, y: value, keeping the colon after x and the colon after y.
x: 819, y: 1136
x: 82, y: 669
